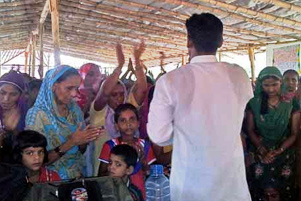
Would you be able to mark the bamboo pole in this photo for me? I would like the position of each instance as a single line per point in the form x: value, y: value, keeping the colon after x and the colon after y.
x: 19, y: 3
x: 11, y: 58
x: 230, y: 14
x: 183, y: 60
x: 219, y: 56
x: 283, y: 4
x: 240, y: 9
x: 26, y: 61
x: 251, y: 57
x: 41, y: 67
x: 45, y: 12
x: 30, y: 57
x: 55, y: 31
x: 184, y: 17
x: 34, y: 44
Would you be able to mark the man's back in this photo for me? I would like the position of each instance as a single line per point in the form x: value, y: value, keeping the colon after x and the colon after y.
x: 201, y: 107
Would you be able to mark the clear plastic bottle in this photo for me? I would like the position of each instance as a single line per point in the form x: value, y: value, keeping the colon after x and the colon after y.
x: 157, y: 185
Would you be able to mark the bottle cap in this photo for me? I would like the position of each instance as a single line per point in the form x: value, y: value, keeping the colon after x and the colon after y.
x: 156, y: 169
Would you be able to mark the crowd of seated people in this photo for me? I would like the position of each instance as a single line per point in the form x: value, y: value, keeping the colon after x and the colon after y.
x: 76, y: 123
x: 81, y: 123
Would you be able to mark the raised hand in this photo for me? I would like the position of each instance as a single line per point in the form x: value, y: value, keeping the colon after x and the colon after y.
x: 130, y: 66
x: 138, y: 51
x: 120, y: 55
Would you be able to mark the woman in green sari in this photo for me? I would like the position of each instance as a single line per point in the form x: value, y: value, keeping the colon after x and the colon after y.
x: 272, y: 125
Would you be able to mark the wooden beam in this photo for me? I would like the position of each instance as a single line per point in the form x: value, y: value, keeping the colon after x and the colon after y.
x: 14, y: 56
x: 55, y: 31
x: 34, y: 44
x: 218, y: 11
x: 26, y: 59
x: 257, y: 14
x: 44, y: 12
x: 41, y: 67
x: 283, y: 4
x: 251, y: 57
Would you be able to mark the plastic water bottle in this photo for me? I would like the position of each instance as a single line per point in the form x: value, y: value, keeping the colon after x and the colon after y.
x: 157, y: 185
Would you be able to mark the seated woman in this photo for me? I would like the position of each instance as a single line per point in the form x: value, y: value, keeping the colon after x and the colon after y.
x: 30, y: 150
x: 272, y: 125
x: 56, y: 115
x: 13, y: 110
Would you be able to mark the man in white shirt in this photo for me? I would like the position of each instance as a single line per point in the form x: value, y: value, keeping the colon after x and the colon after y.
x: 199, y: 109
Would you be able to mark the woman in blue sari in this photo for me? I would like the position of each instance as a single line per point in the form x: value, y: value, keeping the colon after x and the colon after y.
x: 56, y: 115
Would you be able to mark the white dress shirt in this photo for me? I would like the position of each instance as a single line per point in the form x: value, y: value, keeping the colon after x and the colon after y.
x: 199, y: 109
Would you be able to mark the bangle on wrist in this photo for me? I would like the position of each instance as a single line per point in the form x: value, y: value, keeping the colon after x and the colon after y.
x: 281, y: 149
x: 59, y: 152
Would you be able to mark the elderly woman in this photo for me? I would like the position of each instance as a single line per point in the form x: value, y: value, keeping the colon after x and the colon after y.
x: 13, y: 110
x: 272, y: 125
x: 56, y: 115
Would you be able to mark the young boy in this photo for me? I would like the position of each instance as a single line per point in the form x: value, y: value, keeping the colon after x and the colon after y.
x: 127, y: 123
x: 29, y: 149
x: 123, y: 159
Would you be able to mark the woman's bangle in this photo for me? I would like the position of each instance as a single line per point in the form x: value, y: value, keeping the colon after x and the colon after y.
x: 281, y: 149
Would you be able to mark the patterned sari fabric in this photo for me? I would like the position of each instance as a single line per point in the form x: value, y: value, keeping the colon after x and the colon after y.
x: 273, y: 129
x: 44, y: 118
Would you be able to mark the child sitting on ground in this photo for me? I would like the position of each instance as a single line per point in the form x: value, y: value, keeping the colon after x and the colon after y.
x: 127, y: 123
x: 29, y: 149
x: 122, y: 163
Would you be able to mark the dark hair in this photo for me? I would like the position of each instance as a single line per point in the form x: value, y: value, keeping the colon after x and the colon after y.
x: 68, y: 73
x: 265, y: 97
x: 28, y: 138
x: 151, y: 95
x: 123, y: 107
x: 150, y: 80
x: 35, y: 84
x: 128, y: 154
x: 291, y: 71
x: 205, y: 31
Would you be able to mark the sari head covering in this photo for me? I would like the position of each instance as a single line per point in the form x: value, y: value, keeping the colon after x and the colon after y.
x: 83, y: 97
x: 273, y: 126
x: 110, y: 122
x: 57, y: 129
x: 16, y: 79
x: 269, y: 71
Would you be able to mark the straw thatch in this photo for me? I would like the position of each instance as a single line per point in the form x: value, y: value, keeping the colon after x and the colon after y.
x: 91, y: 28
